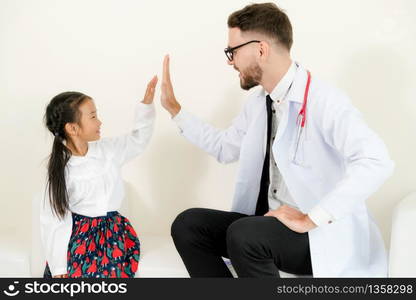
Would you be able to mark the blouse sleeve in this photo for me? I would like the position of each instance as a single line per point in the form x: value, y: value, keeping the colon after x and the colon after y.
x: 55, y: 235
x: 128, y: 146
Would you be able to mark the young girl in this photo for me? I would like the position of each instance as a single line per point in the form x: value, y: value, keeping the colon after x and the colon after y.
x: 82, y: 233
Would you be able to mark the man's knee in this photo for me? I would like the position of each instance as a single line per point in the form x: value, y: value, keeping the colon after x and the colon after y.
x: 240, y: 234
x: 185, y: 222
x: 244, y: 235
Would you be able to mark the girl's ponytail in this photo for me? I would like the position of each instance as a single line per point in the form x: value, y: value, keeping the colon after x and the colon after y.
x: 56, y: 177
x: 62, y: 109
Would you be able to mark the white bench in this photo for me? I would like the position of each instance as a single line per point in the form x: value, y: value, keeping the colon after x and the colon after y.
x: 14, y: 253
x: 159, y: 257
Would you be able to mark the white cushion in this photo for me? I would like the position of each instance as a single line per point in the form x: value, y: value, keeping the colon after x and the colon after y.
x: 402, y: 254
x: 14, y: 254
x: 159, y: 258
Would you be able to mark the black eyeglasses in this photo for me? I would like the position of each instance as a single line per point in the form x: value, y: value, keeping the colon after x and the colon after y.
x: 229, y: 52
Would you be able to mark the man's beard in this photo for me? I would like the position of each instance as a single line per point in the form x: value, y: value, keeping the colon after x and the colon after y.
x: 251, y: 77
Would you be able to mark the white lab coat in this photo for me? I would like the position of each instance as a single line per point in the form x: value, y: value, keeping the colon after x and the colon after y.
x: 340, y: 163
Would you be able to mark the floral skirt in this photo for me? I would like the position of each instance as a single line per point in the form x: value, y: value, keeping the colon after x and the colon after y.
x: 102, y: 247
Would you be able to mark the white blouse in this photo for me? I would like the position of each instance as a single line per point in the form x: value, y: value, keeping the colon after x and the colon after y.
x: 94, y: 185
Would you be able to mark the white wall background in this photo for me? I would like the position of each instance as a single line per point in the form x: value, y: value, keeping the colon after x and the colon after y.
x: 110, y: 49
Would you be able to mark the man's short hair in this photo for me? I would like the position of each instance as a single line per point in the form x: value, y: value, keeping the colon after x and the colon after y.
x: 264, y: 18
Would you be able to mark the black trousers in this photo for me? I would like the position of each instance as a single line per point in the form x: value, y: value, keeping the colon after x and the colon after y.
x: 257, y: 246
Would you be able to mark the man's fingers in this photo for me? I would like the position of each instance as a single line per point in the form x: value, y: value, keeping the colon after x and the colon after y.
x: 167, y: 89
x: 164, y: 88
x: 166, y: 71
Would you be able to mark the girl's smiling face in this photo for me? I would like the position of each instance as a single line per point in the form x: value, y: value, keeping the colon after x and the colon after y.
x: 89, y: 125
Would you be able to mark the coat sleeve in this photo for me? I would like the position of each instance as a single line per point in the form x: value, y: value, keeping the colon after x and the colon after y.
x: 224, y: 144
x: 367, y: 162
x: 128, y: 146
x: 55, y: 235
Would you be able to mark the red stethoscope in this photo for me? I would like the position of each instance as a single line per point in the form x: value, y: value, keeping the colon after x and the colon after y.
x: 301, y: 119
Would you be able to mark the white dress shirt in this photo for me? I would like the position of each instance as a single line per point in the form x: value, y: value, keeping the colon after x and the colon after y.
x: 278, y: 192
x: 94, y: 185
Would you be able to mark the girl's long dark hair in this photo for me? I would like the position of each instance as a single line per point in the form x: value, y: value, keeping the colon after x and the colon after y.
x: 62, y: 109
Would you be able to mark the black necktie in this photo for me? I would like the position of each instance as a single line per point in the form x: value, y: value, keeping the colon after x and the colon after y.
x: 262, y: 206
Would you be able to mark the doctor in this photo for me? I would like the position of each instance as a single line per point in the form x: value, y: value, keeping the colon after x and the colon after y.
x: 307, y: 164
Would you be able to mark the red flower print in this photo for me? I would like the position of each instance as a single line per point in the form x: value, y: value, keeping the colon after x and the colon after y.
x: 124, y: 275
x: 93, y: 267
x: 105, y: 260
x: 134, y: 265
x: 80, y: 249
x: 102, y: 239
x: 77, y: 272
x: 129, y: 228
x: 85, y: 227
x: 128, y: 243
x: 117, y: 252
x: 91, y: 247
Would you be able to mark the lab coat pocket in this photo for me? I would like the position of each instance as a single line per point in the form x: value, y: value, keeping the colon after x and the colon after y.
x: 306, y: 164
x: 299, y: 153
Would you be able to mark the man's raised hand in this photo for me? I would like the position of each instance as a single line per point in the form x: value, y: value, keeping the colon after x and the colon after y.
x: 167, y: 97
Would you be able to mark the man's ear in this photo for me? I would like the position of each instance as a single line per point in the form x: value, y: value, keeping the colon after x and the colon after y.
x: 71, y: 129
x: 264, y: 50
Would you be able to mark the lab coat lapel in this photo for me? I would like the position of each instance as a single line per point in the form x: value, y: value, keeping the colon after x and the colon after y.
x: 294, y: 95
x: 251, y: 161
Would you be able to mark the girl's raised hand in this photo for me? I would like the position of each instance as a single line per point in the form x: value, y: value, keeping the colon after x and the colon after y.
x: 150, y: 91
